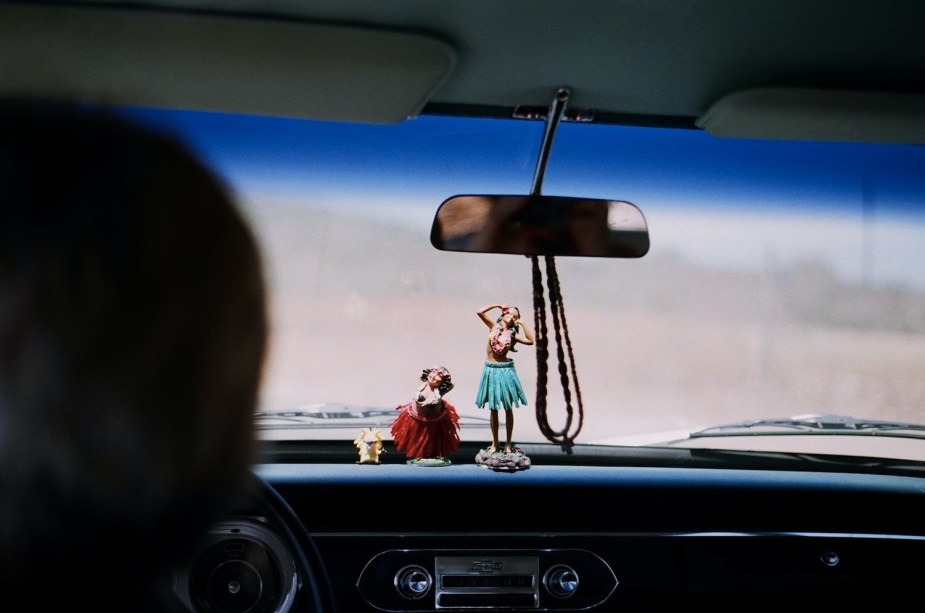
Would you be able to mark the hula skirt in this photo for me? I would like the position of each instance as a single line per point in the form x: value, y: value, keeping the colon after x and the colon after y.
x: 426, y: 437
x: 500, y: 387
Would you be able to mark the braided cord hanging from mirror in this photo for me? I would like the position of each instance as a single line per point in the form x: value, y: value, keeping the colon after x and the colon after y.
x: 566, y: 361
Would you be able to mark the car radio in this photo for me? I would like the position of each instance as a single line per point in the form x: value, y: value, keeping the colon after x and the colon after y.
x: 540, y: 580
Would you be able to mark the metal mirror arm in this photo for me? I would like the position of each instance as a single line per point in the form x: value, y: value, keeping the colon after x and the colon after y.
x: 564, y: 437
x: 553, y: 117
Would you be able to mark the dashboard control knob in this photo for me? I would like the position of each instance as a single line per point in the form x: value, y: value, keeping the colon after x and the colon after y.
x: 561, y: 581
x: 413, y: 582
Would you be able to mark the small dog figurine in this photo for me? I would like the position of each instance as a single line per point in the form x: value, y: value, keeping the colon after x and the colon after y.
x: 370, y: 445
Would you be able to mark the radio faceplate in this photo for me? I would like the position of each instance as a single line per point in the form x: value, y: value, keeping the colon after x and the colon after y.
x: 478, y: 581
x: 532, y: 580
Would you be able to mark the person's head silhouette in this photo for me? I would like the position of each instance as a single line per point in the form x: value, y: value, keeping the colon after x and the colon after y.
x: 132, y: 336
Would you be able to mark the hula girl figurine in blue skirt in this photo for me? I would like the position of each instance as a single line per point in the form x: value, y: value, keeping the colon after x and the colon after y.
x: 500, y: 388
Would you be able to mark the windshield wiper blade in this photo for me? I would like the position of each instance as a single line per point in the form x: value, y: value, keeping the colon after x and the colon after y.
x: 325, y: 415
x: 332, y: 415
x: 814, y: 424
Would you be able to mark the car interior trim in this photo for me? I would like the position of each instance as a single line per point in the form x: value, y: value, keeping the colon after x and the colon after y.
x: 791, y: 113
x: 182, y: 60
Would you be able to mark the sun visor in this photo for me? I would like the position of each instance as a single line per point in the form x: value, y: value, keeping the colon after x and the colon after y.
x: 199, y: 62
x: 819, y: 115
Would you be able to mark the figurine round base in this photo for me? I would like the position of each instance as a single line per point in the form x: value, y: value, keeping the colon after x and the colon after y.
x: 429, y: 462
x: 503, y: 462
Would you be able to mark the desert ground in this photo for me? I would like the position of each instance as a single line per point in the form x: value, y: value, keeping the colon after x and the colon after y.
x: 659, y: 343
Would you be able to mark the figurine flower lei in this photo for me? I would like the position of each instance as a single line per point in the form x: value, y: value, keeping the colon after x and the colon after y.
x: 499, y: 338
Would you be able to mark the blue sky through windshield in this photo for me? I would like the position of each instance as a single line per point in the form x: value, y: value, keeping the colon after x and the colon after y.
x: 773, y: 184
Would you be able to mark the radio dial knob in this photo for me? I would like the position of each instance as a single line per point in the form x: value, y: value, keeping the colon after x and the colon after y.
x: 561, y: 581
x: 413, y: 582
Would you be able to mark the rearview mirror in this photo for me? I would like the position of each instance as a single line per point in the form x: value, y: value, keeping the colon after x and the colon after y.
x: 540, y: 225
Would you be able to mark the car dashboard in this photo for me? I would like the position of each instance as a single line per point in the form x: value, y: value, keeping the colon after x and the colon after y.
x: 584, y: 532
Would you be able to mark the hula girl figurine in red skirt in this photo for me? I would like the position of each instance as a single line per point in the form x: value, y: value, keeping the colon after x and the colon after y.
x: 427, y: 429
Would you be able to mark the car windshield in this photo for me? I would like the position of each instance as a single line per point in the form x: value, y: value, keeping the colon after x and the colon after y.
x: 785, y: 280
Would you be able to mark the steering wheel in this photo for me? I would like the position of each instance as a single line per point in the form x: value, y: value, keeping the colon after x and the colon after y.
x: 259, y: 559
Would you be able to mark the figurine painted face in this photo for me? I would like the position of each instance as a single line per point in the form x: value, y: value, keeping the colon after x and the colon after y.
x: 509, y: 316
x: 435, y: 378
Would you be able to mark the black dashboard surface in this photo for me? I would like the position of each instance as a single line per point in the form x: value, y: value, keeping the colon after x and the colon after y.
x: 394, y: 537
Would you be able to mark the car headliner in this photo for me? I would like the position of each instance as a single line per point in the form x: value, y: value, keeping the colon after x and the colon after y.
x: 656, y: 62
